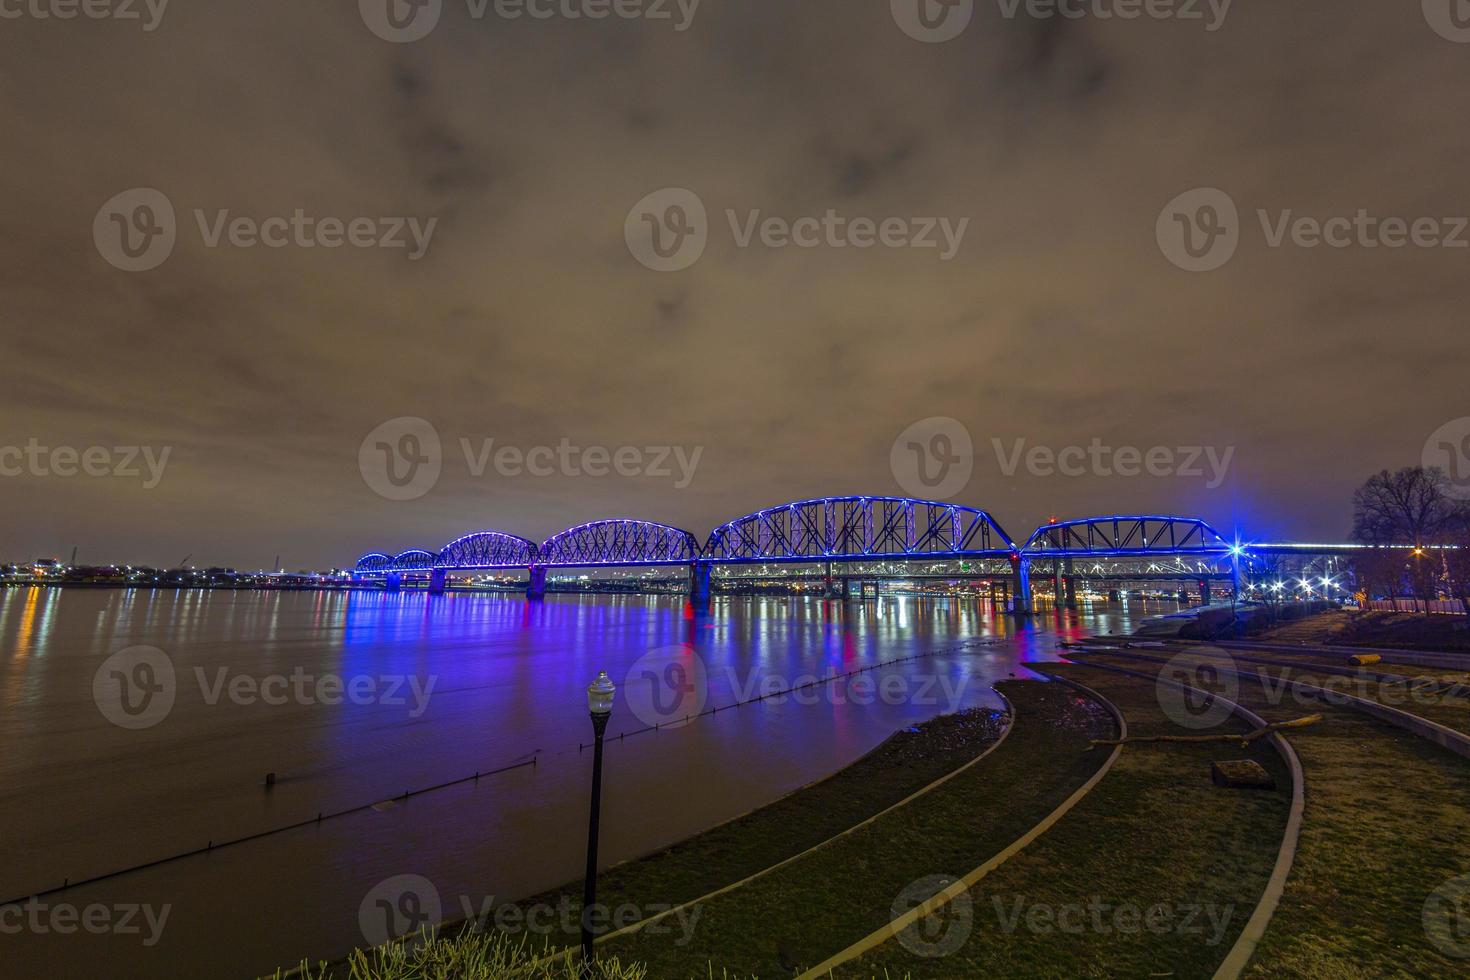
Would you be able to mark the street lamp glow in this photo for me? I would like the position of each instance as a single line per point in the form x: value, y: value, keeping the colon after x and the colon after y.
x: 600, y: 694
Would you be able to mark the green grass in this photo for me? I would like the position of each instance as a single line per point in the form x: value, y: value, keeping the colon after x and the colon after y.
x: 1386, y: 824
x: 1387, y: 630
x: 799, y: 915
x: 466, y: 956
x: 1154, y: 834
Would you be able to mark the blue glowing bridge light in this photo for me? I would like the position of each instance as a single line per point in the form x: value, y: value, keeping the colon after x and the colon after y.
x: 857, y: 528
x: 486, y: 550
x: 1132, y: 535
x: 620, y: 542
x: 373, y: 562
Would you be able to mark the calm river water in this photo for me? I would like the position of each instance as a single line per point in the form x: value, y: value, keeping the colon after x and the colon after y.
x: 355, y: 698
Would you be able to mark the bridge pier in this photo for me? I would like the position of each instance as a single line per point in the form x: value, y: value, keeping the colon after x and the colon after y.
x: 1184, y: 597
x: 393, y: 582
x: 1021, y: 576
x: 1115, y: 595
x: 536, y: 585
x: 438, y: 581
x: 699, y: 584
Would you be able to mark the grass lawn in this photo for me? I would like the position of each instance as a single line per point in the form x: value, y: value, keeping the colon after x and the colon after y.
x: 799, y: 915
x: 1389, y: 630
x: 1387, y: 823
x: 1448, y: 709
x: 1155, y: 834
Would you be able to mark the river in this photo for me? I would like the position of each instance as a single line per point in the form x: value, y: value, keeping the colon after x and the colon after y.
x: 354, y: 698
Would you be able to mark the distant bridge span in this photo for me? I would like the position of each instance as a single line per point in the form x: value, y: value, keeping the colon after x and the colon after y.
x: 832, y: 530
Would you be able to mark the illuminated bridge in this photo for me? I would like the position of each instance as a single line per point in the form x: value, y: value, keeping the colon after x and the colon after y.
x: 872, y: 537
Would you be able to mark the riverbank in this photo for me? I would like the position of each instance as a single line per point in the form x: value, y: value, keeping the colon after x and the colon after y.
x: 814, y: 872
x: 1384, y: 630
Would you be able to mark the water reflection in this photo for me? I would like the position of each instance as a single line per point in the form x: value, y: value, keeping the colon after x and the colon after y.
x: 83, y: 797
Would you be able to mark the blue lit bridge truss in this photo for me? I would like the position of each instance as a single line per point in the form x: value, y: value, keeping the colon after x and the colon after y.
x: 618, y: 543
x: 853, y: 528
x: 1128, y: 537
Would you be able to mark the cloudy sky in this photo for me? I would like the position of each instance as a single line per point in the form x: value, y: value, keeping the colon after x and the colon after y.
x: 1059, y: 322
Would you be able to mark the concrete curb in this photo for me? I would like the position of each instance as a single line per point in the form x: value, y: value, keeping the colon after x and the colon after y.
x: 1010, y: 724
x: 1414, y: 658
x: 943, y: 898
x: 1240, y: 954
x: 1447, y: 738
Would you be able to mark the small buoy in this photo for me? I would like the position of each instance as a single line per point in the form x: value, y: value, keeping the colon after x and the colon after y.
x: 270, y: 780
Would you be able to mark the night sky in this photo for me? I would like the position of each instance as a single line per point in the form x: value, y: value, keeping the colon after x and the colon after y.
x: 793, y: 370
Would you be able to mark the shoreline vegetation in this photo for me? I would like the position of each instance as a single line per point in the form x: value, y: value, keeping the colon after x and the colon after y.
x: 1161, y: 867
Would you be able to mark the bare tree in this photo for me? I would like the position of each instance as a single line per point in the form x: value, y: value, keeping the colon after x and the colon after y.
x: 1457, y: 555
x: 1410, y: 507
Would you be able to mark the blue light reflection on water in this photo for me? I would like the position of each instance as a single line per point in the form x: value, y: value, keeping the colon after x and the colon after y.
x: 509, y: 675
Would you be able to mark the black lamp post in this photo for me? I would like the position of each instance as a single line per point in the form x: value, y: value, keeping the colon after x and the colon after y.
x: 599, y: 704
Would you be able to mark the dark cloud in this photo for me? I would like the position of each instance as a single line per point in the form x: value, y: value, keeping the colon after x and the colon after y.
x: 528, y: 321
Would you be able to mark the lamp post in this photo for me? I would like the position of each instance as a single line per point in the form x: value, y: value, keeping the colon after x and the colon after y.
x: 600, y: 696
